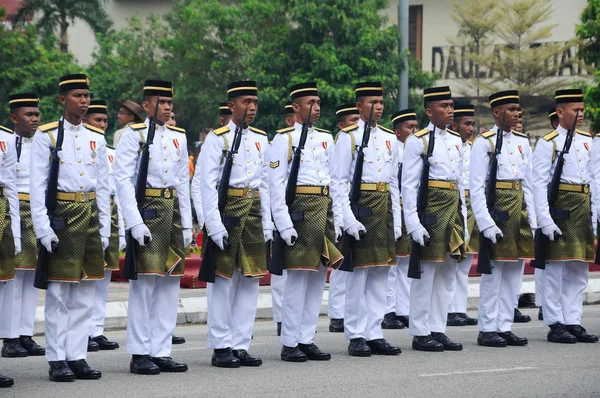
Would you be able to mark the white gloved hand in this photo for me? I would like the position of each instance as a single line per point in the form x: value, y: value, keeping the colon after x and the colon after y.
x: 549, y: 231
x: 397, y: 233
x: 219, y: 238
x: 17, y: 246
x: 420, y: 235
x: 338, y: 234
x: 268, y: 234
x: 491, y: 232
x: 187, y: 237
x: 104, y: 242
x: 289, y: 235
x: 47, y: 240
x: 122, y: 243
x: 139, y: 232
x: 355, y: 229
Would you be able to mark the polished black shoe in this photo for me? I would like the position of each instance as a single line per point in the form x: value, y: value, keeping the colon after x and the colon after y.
x: 278, y: 328
x: 59, y: 371
x: 521, y: 318
x: 470, y: 321
x: 246, y: 359
x: 293, y: 354
x: 390, y: 322
x: 167, y: 364
x: 223, y: 358
x: 403, y: 319
x: 313, y: 352
x: 33, y: 348
x: 83, y: 371
x: 446, y: 342
x: 491, y: 339
x: 6, y: 381
x: 559, y: 334
x: 12, y: 349
x: 336, y: 325
x: 358, y: 348
x: 540, y: 314
x: 455, y: 320
x: 92, y: 345
x: 512, y: 339
x: 382, y: 347
x: 142, y: 365
x: 526, y: 300
x: 581, y: 335
x: 105, y: 344
x: 426, y: 343
x: 177, y: 340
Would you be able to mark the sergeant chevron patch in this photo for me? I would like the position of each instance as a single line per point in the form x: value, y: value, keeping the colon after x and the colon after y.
x: 274, y: 165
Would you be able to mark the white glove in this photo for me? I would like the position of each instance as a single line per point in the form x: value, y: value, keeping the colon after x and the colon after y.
x: 268, y: 234
x: 397, y: 233
x: 219, y: 238
x: 104, y: 242
x: 187, y: 237
x: 122, y: 243
x: 17, y: 246
x: 549, y: 231
x: 47, y: 240
x: 289, y: 235
x: 491, y: 232
x: 139, y: 232
x: 355, y: 230
x: 338, y: 234
x: 420, y: 236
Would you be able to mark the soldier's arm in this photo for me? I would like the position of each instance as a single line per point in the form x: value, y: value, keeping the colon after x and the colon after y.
x: 38, y: 180
x: 183, y: 188
x: 197, y: 196
x: 527, y: 187
x: 102, y: 189
x: 595, y: 169
x: 10, y: 164
x: 411, y: 179
x: 209, y: 162
x: 343, y: 175
x: 278, y: 175
x: 480, y: 164
x: 395, y: 193
x: 334, y: 185
x: 460, y: 184
x: 542, y: 166
x: 265, y: 200
x: 126, y: 164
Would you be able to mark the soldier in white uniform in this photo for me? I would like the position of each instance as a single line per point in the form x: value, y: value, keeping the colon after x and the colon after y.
x: 443, y: 222
x: 25, y: 114
x: 245, y: 225
x: 166, y: 220
x: 80, y: 225
x: 512, y: 218
x: 570, y: 216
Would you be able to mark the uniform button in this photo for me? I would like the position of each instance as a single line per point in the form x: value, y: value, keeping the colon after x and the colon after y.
x: 76, y: 135
x: 149, y: 157
x: 579, y: 160
x: 379, y: 170
x: 78, y: 148
x: 516, y: 174
x: 18, y: 169
x: 78, y: 160
x: 582, y: 170
x: 164, y: 147
x: 510, y: 153
x: 436, y: 162
x: 453, y: 171
x: 166, y: 171
x: 233, y: 162
x: 317, y: 170
x: 165, y: 159
x: 513, y: 163
x: 248, y: 161
x: 81, y: 187
x: 250, y: 172
x: 501, y: 164
x: 164, y: 182
x: 81, y: 173
x: 378, y: 159
x: 62, y: 161
x: 376, y: 148
x: 247, y: 149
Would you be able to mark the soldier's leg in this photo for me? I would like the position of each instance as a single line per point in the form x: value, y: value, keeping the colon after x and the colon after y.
x: 445, y: 274
x: 100, y: 299
x: 312, y: 304
x: 243, y: 309
x: 489, y: 291
x: 420, y: 300
x: 355, y: 309
x: 163, y: 314
x: 294, y: 295
x: 337, y: 297
x: 460, y: 288
x: 375, y: 300
x: 277, y: 286
x: 512, y: 274
x: 575, y: 281
x: 138, y: 314
x: 80, y: 304
x: 29, y: 303
x: 220, y: 324
x: 9, y: 326
x: 56, y: 320
x: 552, y: 294
x: 539, y: 289
x: 392, y: 285
x: 402, y: 287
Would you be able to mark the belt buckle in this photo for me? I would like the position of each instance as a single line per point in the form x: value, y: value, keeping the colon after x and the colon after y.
x: 586, y: 189
x: 380, y: 186
x: 325, y: 190
x: 167, y: 193
x: 517, y: 185
x: 80, y: 197
x: 248, y: 193
x: 452, y: 185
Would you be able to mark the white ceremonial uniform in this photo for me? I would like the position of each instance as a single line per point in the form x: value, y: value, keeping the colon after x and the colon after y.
x: 232, y: 301
x: 499, y: 290
x: 337, y: 294
x: 69, y: 305
x: 564, y: 282
x: 460, y: 288
x: 398, y: 288
x: 277, y: 288
x: 303, y: 290
x: 366, y: 286
x: 153, y: 299
x: 102, y: 287
x: 430, y: 295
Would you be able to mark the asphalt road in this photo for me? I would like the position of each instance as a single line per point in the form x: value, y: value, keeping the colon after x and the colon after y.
x: 541, y: 369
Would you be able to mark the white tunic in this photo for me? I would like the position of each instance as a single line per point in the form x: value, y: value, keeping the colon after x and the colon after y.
x: 8, y: 178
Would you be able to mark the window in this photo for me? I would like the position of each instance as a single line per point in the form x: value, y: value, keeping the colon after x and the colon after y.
x: 415, y: 31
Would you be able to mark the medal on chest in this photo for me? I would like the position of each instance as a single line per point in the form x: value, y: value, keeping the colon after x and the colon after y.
x: 258, y: 147
x: 586, y: 146
x: 176, y: 143
x: 389, y: 147
x: 521, y: 151
x: 93, y: 148
x: 324, y: 144
x: 3, y: 149
x: 111, y: 159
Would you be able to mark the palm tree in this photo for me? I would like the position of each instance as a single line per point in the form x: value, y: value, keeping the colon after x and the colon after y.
x: 60, y: 14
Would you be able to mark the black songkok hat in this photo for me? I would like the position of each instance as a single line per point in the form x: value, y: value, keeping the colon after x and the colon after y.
x: 368, y: 89
x: 433, y: 94
x: 287, y: 109
x: 224, y: 109
x: 404, y: 116
x: 97, y: 106
x: 552, y: 113
x: 25, y: 100
x: 244, y: 87
x: 304, y: 90
x: 566, y: 96
x: 160, y: 88
x: 464, y: 109
x: 504, y: 97
x: 77, y: 81
x: 346, y: 109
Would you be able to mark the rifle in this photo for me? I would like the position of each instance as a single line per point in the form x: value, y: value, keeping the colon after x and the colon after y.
x: 414, y: 263
x: 207, y: 269
x: 275, y: 267
x: 41, y: 270
x: 130, y: 263
x: 542, y: 241
x: 348, y: 240
x: 484, y: 261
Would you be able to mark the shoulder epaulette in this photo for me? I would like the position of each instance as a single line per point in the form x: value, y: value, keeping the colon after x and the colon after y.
x: 386, y: 130
x: 322, y: 130
x: 583, y: 133
x: 550, y: 135
x: 258, y: 131
x: 519, y: 134
x: 221, y: 130
x: 453, y: 132
x: 178, y: 129
x: 350, y: 128
x: 138, y: 126
x: 6, y: 129
x: 94, y: 129
x: 470, y: 142
x: 489, y: 133
x: 285, y: 130
x: 48, y: 126
x: 421, y: 133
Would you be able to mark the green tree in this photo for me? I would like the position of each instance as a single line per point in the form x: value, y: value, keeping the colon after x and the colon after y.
x: 60, y: 14
x: 589, y: 33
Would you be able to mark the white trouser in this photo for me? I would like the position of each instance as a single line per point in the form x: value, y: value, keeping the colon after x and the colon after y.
x: 277, y: 286
x: 7, y: 294
x: 100, y: 299
x: 562, y: 299
x: 365, y: 302
x: 152, y: 314
x: 337, y: 289
x: 398, y: 288
x: 497, y: 292
x: 25, y: 302
x: 460, y: 288
x: 539, y: 287
x: 67, y: 319
x: 231, y: 311
x: 302, y: 299
x: 429, y: 297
